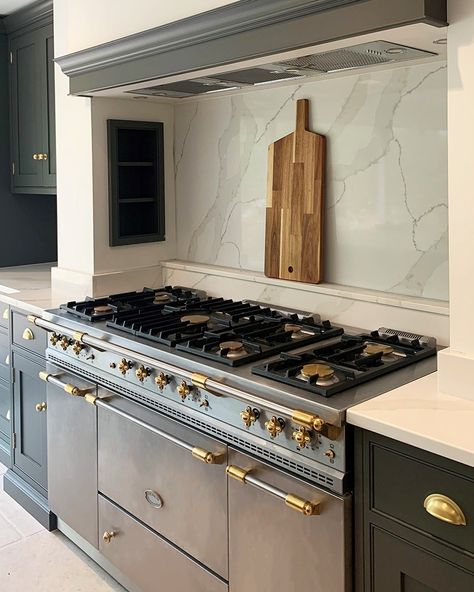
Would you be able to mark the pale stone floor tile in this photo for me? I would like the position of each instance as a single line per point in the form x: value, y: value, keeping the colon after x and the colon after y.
x: 35, y: 560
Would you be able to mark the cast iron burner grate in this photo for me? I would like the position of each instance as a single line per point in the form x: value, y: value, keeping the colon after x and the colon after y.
x: 230, y: 332
x: 101, y: 309
x: 352, y: 360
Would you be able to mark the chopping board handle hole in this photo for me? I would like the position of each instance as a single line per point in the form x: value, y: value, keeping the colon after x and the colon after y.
x: 290, y: 269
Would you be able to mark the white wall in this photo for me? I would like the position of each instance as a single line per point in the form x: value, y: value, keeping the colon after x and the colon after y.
x: 107, y: 259
x: 92, y: 22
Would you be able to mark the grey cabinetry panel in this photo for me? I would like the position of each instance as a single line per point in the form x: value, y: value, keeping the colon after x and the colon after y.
x: 32, y: 112
x: 4, y: 410
x: 29, y: 454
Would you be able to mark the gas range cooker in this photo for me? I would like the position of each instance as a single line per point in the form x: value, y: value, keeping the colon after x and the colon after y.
x: 283, y: 398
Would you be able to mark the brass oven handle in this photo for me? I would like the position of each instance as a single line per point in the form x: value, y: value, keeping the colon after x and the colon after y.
x: 305, y: 507
x: 299, y: 417
x: 70, y: 389
x: 444, y: 508
x: 197, y: 452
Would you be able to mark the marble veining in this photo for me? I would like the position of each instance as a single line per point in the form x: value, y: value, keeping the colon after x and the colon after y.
x: 386, y: 197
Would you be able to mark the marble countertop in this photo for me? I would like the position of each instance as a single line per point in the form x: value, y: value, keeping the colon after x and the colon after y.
x: 418, y: 414
x: 29, y: 287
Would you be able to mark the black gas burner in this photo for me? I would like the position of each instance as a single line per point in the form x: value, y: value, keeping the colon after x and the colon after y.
x: 101, y: 309
x: 228, y: 331
x: 352, y: 360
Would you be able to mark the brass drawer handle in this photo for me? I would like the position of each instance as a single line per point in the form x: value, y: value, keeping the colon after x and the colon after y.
x: 40, y: 407
x: 5, y: 315
x: 28, y: 334
x: 444, y: 508
x: 108, y: 536
x: 305, y: 507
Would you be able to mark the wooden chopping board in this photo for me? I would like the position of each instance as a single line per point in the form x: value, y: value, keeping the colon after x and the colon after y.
x: 294, y: 214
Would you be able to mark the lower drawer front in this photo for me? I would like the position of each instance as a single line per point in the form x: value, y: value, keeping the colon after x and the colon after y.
x: 401, y: 484
x: 149, y: 561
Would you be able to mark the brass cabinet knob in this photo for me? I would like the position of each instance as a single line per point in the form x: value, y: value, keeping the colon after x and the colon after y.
x: 28, y: 334
x: 302, y: 437
x: 125, y: 365
x: 249, y: 416
x: 274, y: 426
x: 162, y: 380
x: 54, y: 338
x: 141, y: 373
x: 77, y: 347
x: 444, y: 508
x: 183, y: 390
x: 108, y: 536
x: 40, y: 407
x: 65, y: 342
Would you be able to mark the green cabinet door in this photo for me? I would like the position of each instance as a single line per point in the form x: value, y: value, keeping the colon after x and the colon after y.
x: 29, y: 421
x: 32, y: 112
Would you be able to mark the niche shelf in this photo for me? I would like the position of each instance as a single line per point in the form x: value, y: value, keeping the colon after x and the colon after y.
x: 136, y: 182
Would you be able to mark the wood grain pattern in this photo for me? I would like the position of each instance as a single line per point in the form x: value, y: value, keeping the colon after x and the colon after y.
x: 295, y: 193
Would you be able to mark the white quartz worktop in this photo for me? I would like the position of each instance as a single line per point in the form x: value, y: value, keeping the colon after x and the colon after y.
x: 29, y: 287
x: 418, y: 414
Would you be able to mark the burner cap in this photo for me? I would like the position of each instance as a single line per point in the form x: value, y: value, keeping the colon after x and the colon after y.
x: 375, y: 348
x: 235, y: 349
x: 162, y: 297
x: 195, y: 319
x: 322, y: 370
x: 290, y: 327
x: 98, y: 310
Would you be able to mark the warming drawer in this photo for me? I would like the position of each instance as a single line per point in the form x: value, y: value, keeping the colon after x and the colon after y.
x: 153, y: 468
x: 146, y: 559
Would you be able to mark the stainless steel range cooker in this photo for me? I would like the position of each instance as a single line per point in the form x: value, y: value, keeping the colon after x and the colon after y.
x: 194, y: 421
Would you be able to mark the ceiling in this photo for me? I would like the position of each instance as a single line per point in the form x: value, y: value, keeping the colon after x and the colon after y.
x: 8, y: 6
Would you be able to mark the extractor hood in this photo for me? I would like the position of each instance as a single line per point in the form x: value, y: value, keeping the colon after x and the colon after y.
x: 252, y: 42
x: 354, y: 57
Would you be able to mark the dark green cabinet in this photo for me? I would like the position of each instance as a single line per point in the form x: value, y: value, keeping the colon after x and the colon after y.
x: 32, y: 120
x: 29, y: 401
x: 399, y: 545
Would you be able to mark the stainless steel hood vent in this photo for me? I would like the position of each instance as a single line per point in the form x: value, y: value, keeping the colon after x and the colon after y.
x: 348, y: 58
x: 357, y: 56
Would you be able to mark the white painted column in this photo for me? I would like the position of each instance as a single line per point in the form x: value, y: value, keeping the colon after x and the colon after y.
x: 456, y: 364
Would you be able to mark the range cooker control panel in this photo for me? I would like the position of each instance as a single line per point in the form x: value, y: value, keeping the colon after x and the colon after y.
x: 317, y: 444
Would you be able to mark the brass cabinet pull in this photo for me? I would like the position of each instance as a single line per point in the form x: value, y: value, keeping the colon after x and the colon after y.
x: 40, y: 407
x: 5, y: 314
x: 108, y: 536
x: 305, y: 507
x: 28, y: 334
x: 201, y: 454
x: 444, y: 508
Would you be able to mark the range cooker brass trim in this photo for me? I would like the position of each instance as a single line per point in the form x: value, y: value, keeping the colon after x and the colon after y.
x: 213, y: 386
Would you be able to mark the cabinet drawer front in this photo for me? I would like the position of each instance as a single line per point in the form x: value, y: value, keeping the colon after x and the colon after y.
x: 4, y: 357
x: 274, y: 547
x: 401, y: 483
x: 146, y: 559
x: 4, y: 315
x: 26, y: 335
x: 192, y: 502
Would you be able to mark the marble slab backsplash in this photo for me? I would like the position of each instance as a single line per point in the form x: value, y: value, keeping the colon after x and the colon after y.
x: 386, y: 213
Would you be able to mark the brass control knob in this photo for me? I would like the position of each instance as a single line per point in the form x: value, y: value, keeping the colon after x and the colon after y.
x: 302, y: 437
x: 40, y: 407
x: 124, y: 366
x: 330, y: 454
x: 249, y: 416
x: 204, y: 403
x: 65, y: 342
x: 108, y: 536
x: 77, y: 347
x: 54, y: 338
x: 274, y: 426
x: 162, y: 380
x: 183, y: 390
x: 141, y: 373
x: 318, y: 423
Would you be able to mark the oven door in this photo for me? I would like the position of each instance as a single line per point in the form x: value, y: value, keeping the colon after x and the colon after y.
x: 284, y: 533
